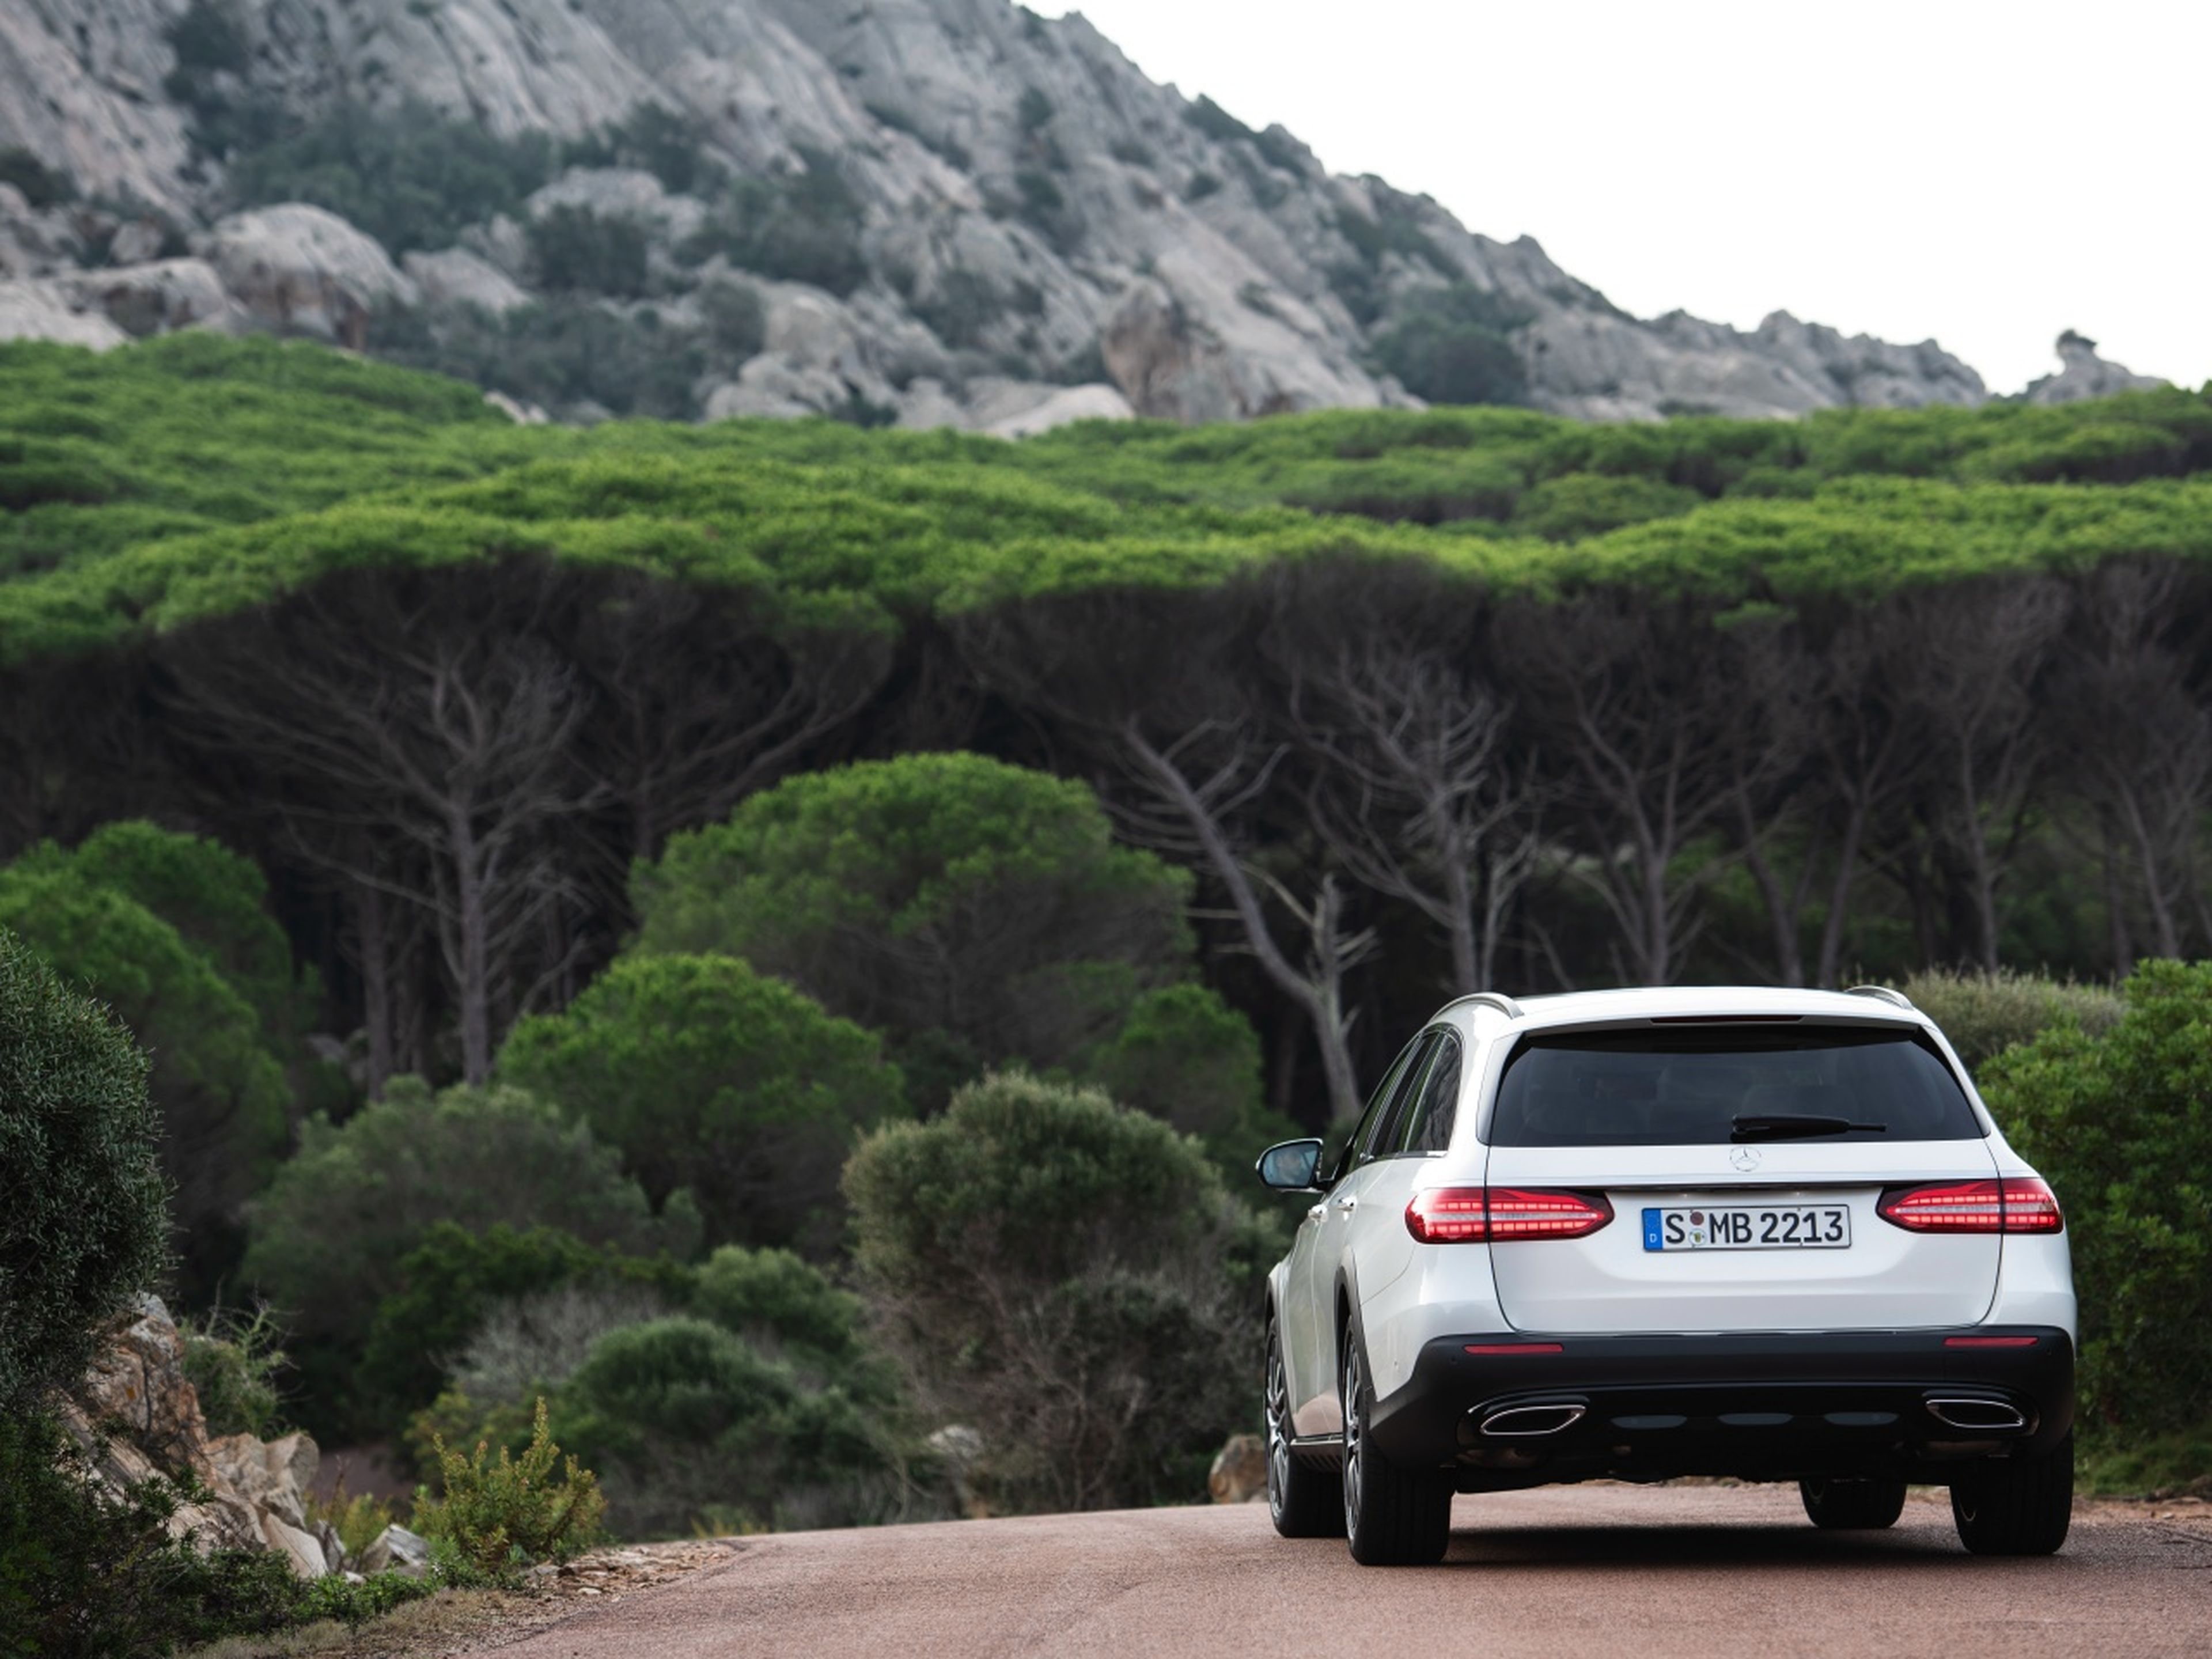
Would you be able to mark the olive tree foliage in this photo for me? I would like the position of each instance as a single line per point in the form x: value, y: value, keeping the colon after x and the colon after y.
x: 83, y: 1206
x: 974, y: 912
x: 709, y: 1076
x: 1062, y: 1272
x: 2117, y: 1122
x: 221, y: 1093
x: 331, y: 1234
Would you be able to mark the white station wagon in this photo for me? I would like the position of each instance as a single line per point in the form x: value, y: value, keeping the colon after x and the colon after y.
x: 1641, y: 1234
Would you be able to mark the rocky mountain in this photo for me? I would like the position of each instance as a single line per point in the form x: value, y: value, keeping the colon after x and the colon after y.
x: 935, y: 211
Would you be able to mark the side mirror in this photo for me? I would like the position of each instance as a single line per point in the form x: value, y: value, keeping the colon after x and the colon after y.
x: 1291, y: 1167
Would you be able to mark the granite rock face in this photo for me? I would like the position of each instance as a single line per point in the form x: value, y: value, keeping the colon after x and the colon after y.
x: 136, y: 1415
x: 2082, y: 374
x: 1030, y: 208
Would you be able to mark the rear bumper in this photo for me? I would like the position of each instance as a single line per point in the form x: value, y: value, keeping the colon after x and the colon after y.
x: 1761, y: 1407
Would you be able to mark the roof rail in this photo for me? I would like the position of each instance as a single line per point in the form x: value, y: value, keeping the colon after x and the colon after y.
x: 1496, y: 1000
x: 1897, y: 999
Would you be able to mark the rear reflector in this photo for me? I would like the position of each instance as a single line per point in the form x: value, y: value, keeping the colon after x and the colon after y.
x: 2014, y: 1205
x: 1989, y: 1341
x: 1516, y: 1348
x: 1474, y: 1215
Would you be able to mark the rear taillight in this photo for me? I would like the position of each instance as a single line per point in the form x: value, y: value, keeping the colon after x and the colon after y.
x: 2014, y: 1205
x: 1471, y: 1215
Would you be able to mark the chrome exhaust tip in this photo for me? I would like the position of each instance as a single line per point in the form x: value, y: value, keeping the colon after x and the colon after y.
x: 1982, y: 1416
x: 1524, y: 1422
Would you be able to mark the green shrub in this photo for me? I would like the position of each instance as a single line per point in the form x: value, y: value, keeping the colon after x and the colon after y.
x: 568, y: 351
x: 691, y: 1425
x: 1582, y: 504
x: 454, y: 1281
x: 796, y: 228
x: 358, y: 1518
x: 232, y: 1361
x: 1453, y: 348
x: 2117, y: 1122
x: 1047, y: 1266
x: 84, y: 1575
x: 221, y: 1095
x: 330, y: 1236
x: 574, y: 250
x: 710, y: 1077
x: 736, y: 321
x: 776, y: 1295
x: 1190, y: 1060
x: 83, y: 1217
x: 339, y: 1599
x: 513, y: 1512
x: 974, y: 912
x: 1984, y: 1014
x: 411, y: 177
x: 42, y: 187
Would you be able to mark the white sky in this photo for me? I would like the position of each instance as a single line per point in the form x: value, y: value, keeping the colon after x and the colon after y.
x: 1980, y: 173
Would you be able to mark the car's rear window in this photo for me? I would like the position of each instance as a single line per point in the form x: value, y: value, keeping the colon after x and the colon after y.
x: 1657, y: 1087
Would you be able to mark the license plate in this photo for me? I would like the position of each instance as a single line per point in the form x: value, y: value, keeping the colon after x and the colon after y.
x: 1749, y: 1227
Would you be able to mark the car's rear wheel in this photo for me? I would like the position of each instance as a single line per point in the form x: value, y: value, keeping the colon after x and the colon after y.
x: 1852, y: 1505
x: 1304, y: 1502
x: 2016, y: 1507
x: 1393, y: 1516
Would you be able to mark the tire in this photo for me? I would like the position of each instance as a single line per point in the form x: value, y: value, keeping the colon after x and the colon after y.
x: 1303, y: 1502
x: 2016, y: 1508
x: 1393, y: 1516
x: 1852, y: 1505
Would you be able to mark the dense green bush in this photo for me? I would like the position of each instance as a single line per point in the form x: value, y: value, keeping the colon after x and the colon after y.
x: 454, y: 1281
x: 83, y: 1221
x: 709, y: 1076
x: 86, y: 1576
x: 411, y: 177
x: 802, y: 227
x: 567, y: 352
x: 331, y: 1233
x: 221, y: 1095
x: 1190, y: 1060
x: 574, y: 250
x: 974, y: 912
x: 41, y: 185
x: 690, y: 1425
x: 2117, y: 1123
x: 232, y: 1361
x: 1053, y: 1269
x: 1454, y: 347
x: 1984, y: 1014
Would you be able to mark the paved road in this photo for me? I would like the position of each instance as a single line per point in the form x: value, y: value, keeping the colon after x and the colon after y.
x: 1597, y: 1572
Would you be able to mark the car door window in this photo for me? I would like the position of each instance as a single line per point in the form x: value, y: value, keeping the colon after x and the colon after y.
x: 1339, y: 1156
x: 1378, y: 1132
x: 1426, y: 1125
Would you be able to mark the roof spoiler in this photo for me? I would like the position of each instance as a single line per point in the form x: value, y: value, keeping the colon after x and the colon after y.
x: 1496, y: 1000
x: 1882, y: 992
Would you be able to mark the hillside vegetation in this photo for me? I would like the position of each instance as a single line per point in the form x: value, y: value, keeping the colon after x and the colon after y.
x: 588, y: 891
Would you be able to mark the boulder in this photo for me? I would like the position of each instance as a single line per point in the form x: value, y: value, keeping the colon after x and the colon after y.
x: 136, y: 1416
x: 1239, y: 1474
x: 396, y: 1550
x: 41, y: 309
x: 300, y: 270
x: 158, y: 297
x: 1041, y: 408
x: 456, y: 276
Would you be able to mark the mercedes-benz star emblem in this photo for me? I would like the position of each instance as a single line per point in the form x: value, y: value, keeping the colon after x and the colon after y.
x: 1745, y: 1158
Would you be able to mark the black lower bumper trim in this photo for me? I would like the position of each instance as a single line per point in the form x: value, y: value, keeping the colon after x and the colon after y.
x: 1893, y: 1403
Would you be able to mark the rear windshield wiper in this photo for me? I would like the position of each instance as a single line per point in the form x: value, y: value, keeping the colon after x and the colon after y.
x: 1784, y: 1125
